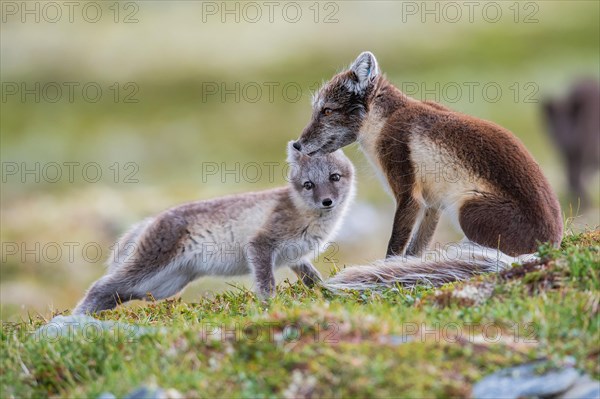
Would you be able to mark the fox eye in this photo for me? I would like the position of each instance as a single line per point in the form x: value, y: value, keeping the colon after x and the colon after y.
x: 308, y: 185
x: 327, y: 111
x: 335, y: 177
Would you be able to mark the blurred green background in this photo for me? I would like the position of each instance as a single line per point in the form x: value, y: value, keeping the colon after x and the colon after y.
x: 190, y: 91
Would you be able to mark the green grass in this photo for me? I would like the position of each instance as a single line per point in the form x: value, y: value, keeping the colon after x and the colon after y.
x: 419, y: 342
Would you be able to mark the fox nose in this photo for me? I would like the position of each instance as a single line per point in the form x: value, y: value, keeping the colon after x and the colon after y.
x: 297, y: 145
x: 327, y: 202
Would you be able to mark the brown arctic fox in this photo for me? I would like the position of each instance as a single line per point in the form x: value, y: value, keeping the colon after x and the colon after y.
x: 434, y: 159
x: 229, y: 236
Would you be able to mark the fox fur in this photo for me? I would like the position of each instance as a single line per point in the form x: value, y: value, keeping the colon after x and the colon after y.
x: 229, y: 236
x: 432, y: 160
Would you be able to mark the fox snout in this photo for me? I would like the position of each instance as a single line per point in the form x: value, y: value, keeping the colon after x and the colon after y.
x: 326, y: 195
x: 320, y: 137
x: 322, y: 140
x: 310, y: 144
x: 327, y: 203
x: 307, y: 149
x: 325, y: 141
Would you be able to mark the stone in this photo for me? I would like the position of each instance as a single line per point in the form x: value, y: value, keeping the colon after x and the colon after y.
x: 525, y: 381
x: 68, y: 326
x: 584, y: 388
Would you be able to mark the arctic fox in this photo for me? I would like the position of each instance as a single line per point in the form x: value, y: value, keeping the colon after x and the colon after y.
x: 235, y: 235
x: 433, y: 160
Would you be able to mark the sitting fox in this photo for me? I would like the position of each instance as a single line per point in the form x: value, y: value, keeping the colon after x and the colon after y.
x: 235, y: 235
x: 434, y: 160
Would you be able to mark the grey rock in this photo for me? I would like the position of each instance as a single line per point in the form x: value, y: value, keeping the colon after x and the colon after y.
x: 153, y: 392
x: 88, y: 327
x: 584, y: 388
x: 524, y: 381
x: 396, y: 340
x: 146, y: 393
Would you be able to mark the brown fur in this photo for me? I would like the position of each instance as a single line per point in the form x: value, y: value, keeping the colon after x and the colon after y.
x: 502, y: 199
x: 519, y: 212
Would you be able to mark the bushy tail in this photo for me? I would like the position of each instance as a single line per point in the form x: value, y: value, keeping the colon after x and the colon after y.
x: 457, y: 262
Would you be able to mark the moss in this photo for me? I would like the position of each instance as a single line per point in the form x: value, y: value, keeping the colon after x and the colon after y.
x: 307, y: 343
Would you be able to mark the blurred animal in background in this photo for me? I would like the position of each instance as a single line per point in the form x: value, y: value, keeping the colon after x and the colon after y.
x: 574, y: 124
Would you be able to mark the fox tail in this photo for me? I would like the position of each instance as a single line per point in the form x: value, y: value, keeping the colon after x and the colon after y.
x: 456, y: 263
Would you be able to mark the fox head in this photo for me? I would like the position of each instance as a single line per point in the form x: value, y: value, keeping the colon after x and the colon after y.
x: 323, y: 182
x: 340, y: 107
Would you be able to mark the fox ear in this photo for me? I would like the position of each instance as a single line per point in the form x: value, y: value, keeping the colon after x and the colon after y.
x: 293, y: 155
x: 338, y: 153
x: 365, y: 69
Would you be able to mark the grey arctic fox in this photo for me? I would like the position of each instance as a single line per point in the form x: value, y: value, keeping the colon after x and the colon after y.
x: 234, y: 235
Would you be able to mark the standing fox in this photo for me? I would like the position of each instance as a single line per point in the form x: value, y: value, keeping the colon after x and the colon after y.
x: 433, y: 159
x: 229, y: 236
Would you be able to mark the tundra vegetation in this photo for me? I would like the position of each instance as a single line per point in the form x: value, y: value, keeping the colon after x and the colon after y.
x: 308, y: 342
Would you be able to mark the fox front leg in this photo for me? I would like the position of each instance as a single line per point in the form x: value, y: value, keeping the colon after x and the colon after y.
x: 307, y: 273
x: 429, y: 218
x: 404, y: 222
x: 261, y: 258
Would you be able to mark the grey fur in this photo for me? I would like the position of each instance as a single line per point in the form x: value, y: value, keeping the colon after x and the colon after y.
x: 462, y: 262
x: 234, y: 235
